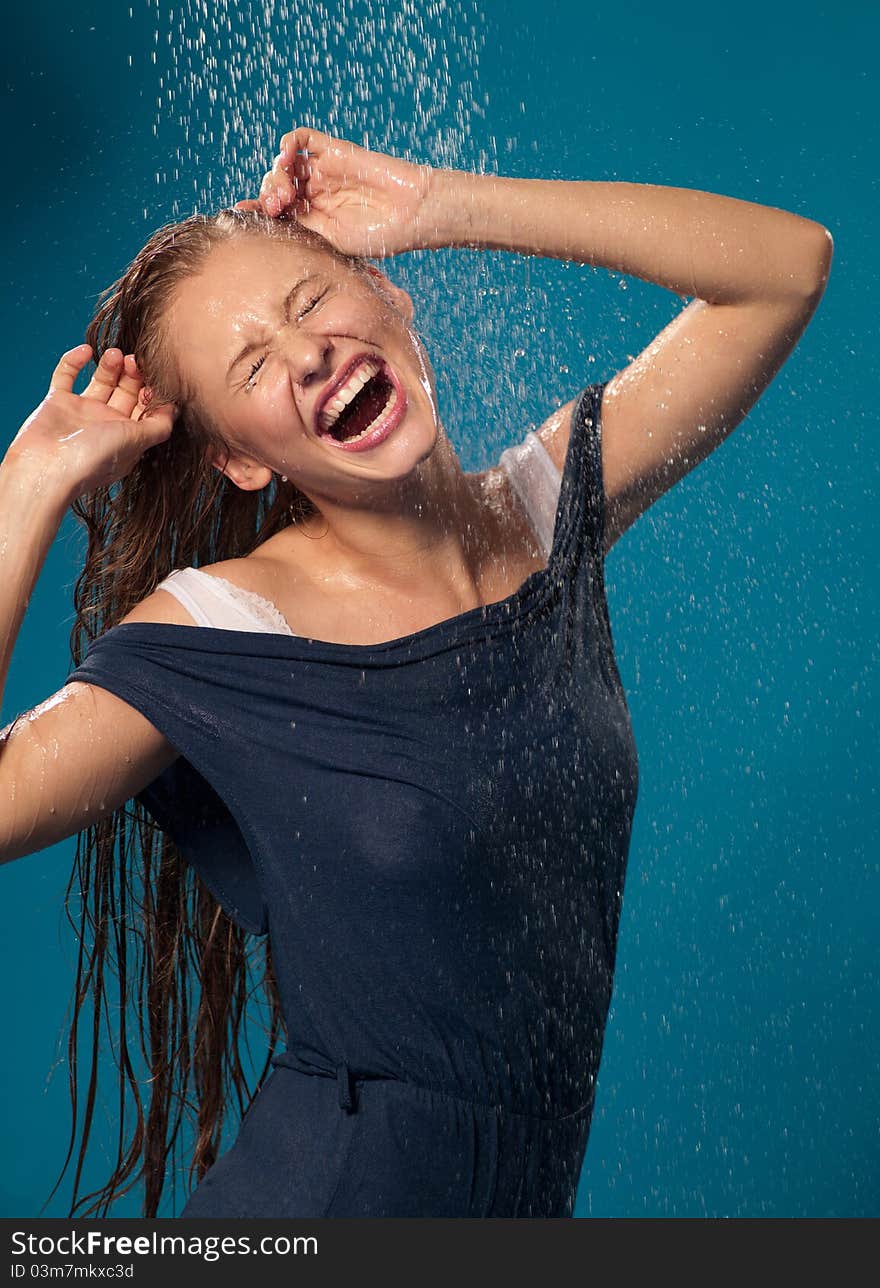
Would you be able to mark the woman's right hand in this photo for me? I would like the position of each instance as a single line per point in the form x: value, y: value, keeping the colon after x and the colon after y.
x: 95, y: 438
x: 363, y: 202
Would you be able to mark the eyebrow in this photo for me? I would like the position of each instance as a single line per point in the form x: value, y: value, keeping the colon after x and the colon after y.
x: 255, y: 344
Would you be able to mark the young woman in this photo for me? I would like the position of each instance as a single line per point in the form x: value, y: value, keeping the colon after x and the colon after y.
x: 365, y: 704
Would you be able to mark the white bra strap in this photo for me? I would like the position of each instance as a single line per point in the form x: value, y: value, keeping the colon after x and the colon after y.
x: 178, y: 584
x: 214, y: 601
x: 536, y: 481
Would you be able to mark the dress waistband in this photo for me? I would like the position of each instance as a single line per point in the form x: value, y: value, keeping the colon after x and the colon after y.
x: 342, y: 1072
x: 348, y: 1076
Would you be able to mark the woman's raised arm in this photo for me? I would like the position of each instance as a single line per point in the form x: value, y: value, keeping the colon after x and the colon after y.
x: 757, y: 274
x: 82, y: 752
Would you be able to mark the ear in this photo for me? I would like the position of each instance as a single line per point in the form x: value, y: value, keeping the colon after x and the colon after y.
x: 243, y: 471
x: 401, y: 299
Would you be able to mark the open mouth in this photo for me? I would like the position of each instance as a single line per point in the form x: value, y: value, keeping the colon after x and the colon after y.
x: 376, y: 398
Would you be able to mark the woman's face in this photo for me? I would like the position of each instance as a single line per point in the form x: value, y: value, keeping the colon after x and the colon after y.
x: 270, y: 333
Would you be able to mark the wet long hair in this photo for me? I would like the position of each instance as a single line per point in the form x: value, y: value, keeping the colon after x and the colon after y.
x: 153, y: 943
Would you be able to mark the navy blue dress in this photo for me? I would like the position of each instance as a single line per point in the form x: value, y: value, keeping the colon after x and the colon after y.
x: 434, y: 832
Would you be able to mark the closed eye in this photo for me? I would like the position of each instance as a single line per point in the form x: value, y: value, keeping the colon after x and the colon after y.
x: 255, y: 368
x: 313, y: 301
x: 311, y: 304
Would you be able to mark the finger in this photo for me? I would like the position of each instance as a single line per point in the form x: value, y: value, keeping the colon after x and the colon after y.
x: 124, y: 397
x: 156, y: 421
x: 288, y: 190
x: 276, y: 192
x: 107, y: 372
x: 315, y: 142
x: 248, y: 204
x: 71, y: 364
x: 297, y: 140
x: 307, y: 178
x: 321, y: 224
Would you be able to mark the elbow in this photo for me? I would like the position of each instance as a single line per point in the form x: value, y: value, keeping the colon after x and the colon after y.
x: 817, y: 261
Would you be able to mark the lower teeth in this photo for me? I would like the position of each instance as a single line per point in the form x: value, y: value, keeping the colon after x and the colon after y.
x: 389, y: 406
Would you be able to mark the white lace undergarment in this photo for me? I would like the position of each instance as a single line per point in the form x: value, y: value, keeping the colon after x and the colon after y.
x: 213, y: 601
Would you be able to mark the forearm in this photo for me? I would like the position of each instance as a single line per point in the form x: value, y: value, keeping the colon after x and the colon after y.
x: 31, y: 510
x: 694, y: 243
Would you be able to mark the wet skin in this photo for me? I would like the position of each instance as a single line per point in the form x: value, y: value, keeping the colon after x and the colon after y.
x: 403, y: 535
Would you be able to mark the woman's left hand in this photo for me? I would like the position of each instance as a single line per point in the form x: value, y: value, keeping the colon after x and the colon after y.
x: 365, y: 203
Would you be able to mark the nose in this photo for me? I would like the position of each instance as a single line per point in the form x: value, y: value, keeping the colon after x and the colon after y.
x: 308, y: 358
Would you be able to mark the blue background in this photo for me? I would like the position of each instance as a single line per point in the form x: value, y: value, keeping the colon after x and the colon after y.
x: 739, y: 1072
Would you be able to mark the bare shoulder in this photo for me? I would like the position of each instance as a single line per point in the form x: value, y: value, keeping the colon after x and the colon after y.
x: 276, y: 566
x: 554, y: 433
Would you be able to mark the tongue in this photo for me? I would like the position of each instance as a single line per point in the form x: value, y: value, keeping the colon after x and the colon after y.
x: 363, y: 409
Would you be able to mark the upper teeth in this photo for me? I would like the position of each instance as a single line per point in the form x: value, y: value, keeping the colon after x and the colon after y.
x: 363, y: 372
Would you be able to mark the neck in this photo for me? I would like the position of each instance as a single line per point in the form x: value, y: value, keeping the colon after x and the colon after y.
x: 424, y: 529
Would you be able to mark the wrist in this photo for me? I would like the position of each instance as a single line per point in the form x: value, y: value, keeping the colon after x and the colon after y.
x: 452, y: 212
x: 40, y: 485
x: 490, y: 211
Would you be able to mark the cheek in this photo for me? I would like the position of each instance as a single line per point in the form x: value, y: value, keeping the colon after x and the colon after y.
x: 271, y: 402
x: 276, y: 392
x: 363, y: 319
